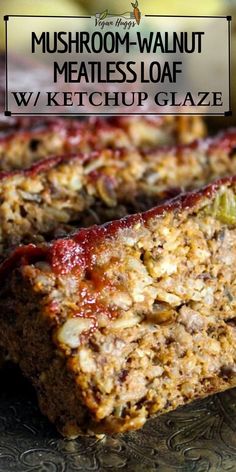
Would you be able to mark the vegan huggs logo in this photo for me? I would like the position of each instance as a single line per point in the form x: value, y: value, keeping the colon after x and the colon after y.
x: 125, y: 20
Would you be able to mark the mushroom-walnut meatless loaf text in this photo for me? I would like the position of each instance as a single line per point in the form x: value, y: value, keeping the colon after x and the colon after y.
x: 130, y: 319
x: 26, y: 141
x: 47, y: 199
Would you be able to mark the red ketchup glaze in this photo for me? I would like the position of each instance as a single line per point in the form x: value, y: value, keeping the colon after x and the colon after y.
x: 93, y: 239
x: 23, y: 255
x: 74, y: 131
x: 48, y: 163
x: 88, y: 300
x: 77, y: 255
x: 78, y: 252
x: 188, y: 200
x: 65, y: 255
x: 109, y: 181
x: 225, y: 141
x: 108, y: 124
x: 30, y: 129
x: 89, y: 304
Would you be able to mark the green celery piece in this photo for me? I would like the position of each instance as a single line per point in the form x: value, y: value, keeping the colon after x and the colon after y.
x: 224, y: 207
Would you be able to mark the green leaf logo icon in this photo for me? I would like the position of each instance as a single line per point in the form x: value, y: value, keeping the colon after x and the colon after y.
x: 103, y: 15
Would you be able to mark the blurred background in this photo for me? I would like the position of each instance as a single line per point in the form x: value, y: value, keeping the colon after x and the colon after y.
x: 167, y: 7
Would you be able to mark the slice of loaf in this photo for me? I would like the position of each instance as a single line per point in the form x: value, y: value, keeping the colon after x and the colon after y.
x: 25, y: 141
x: 120, y: 322
x: 60, y: 193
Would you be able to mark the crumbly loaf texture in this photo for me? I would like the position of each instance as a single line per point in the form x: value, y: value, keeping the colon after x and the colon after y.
x: 20, y: 146
x: 127, y: 320
x: 52, y: 196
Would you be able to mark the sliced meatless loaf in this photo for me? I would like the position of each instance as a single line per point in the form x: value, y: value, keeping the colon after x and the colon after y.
x: 127, y: 320
x: 94, y: 188
x: 145, y: 130
x: 20, y: 146
x: 24, y: 123
x: 25, y: 141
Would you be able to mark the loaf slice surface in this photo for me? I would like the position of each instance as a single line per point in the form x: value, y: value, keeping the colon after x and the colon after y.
x: 127, y: 320
x: 27, y: 141
x: 84, y: 189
